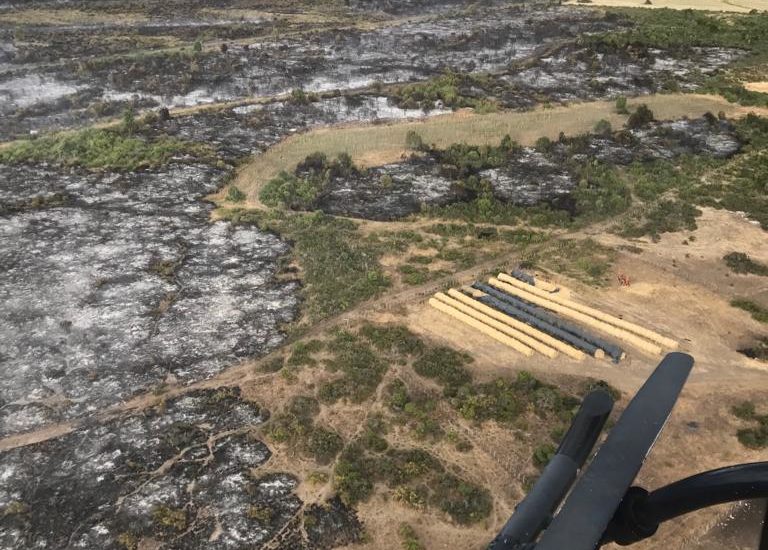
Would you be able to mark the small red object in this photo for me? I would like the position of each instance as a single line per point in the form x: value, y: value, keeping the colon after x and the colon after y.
x: 623, y: 279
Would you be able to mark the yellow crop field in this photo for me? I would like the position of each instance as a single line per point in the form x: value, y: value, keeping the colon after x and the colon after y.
x: 735, y: 6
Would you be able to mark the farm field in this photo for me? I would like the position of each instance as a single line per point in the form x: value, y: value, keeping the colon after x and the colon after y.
x: 736, y: 6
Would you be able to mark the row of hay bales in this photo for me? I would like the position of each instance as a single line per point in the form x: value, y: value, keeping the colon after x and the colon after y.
x: 530, y: 317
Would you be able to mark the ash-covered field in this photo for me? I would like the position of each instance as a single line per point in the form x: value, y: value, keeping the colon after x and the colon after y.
x: 186, y: 475
x: 62, y: 79
x: 527, y: 177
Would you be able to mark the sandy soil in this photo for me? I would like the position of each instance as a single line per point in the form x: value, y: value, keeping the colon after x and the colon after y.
x: 761, y: 87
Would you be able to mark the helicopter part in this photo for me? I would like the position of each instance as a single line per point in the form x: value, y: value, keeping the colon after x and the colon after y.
x: 640, y: 513
x: 534, y: 511
x: 601, y: 488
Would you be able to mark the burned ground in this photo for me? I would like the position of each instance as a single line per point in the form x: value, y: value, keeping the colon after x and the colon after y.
x: 91, y: 86
x: 66, y: 236
x: 134, y: 282
x: 186, y: 474
x: 526, y: 177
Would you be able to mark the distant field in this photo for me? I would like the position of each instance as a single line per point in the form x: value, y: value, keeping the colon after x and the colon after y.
x: 738, y: 6
x: 375, y: 145
x: 35, y: 16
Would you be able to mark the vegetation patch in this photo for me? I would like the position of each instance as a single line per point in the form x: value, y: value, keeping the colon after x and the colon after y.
x: 446, y: 366
x: 302, y: 353
x: 583, y: 259
x: 168, y: 520
x: 451, y: 89
x: 102, y: 149
x: 340, y: 269
x: 394, y: 340
x: 504, y: 400
x: 361, y: 369
x: 417, y: 411
x: 682, y: 30
x: 417, y: 479
x: 758, y: 312
x: 300, y: 190
x: 755, y: 437
x: 665, y: 216
x: 740, y: 262
x: 295, y: 426
x: 409, y: 540
x: 759, y: 350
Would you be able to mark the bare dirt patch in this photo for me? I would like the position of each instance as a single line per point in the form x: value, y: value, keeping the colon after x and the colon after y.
x: 761, y: 87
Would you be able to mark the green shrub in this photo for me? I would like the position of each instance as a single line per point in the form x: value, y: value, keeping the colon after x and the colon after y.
x: 755, y: 437
x: 504, y: 401
x: 543, y: 145
x: 446, y: 88
x: 464, y: 258
x: 302, y: 352
x: 744, y: 410
x: 129, y: 124
x: 758, y: 350
x: 414, y: 141
x: 601, y: 193
x: 542, y: 455
x: 408, y: 538
x: 288, y: 191
x: 323, y: 445
x: 465, y: 502
x: 417, y: 478
x: 353, y: 475
x: 621, y: 105
x: 393, y: 339
x: 682, y: 29
x: 298, y: 191
x: 235, y: 195
x: 666, y: 216
x: 758, y: 312
x: 739, y: 262
x: 295, y: 426
x: 466, y: 160
x: 339, y: 267
x: 412, y: 275
x: 445, y: 365
x: 101, y: 149
x: 603, y: 127
x: 300, y: 97
x: 361, y: 368
x: 641, y: 117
